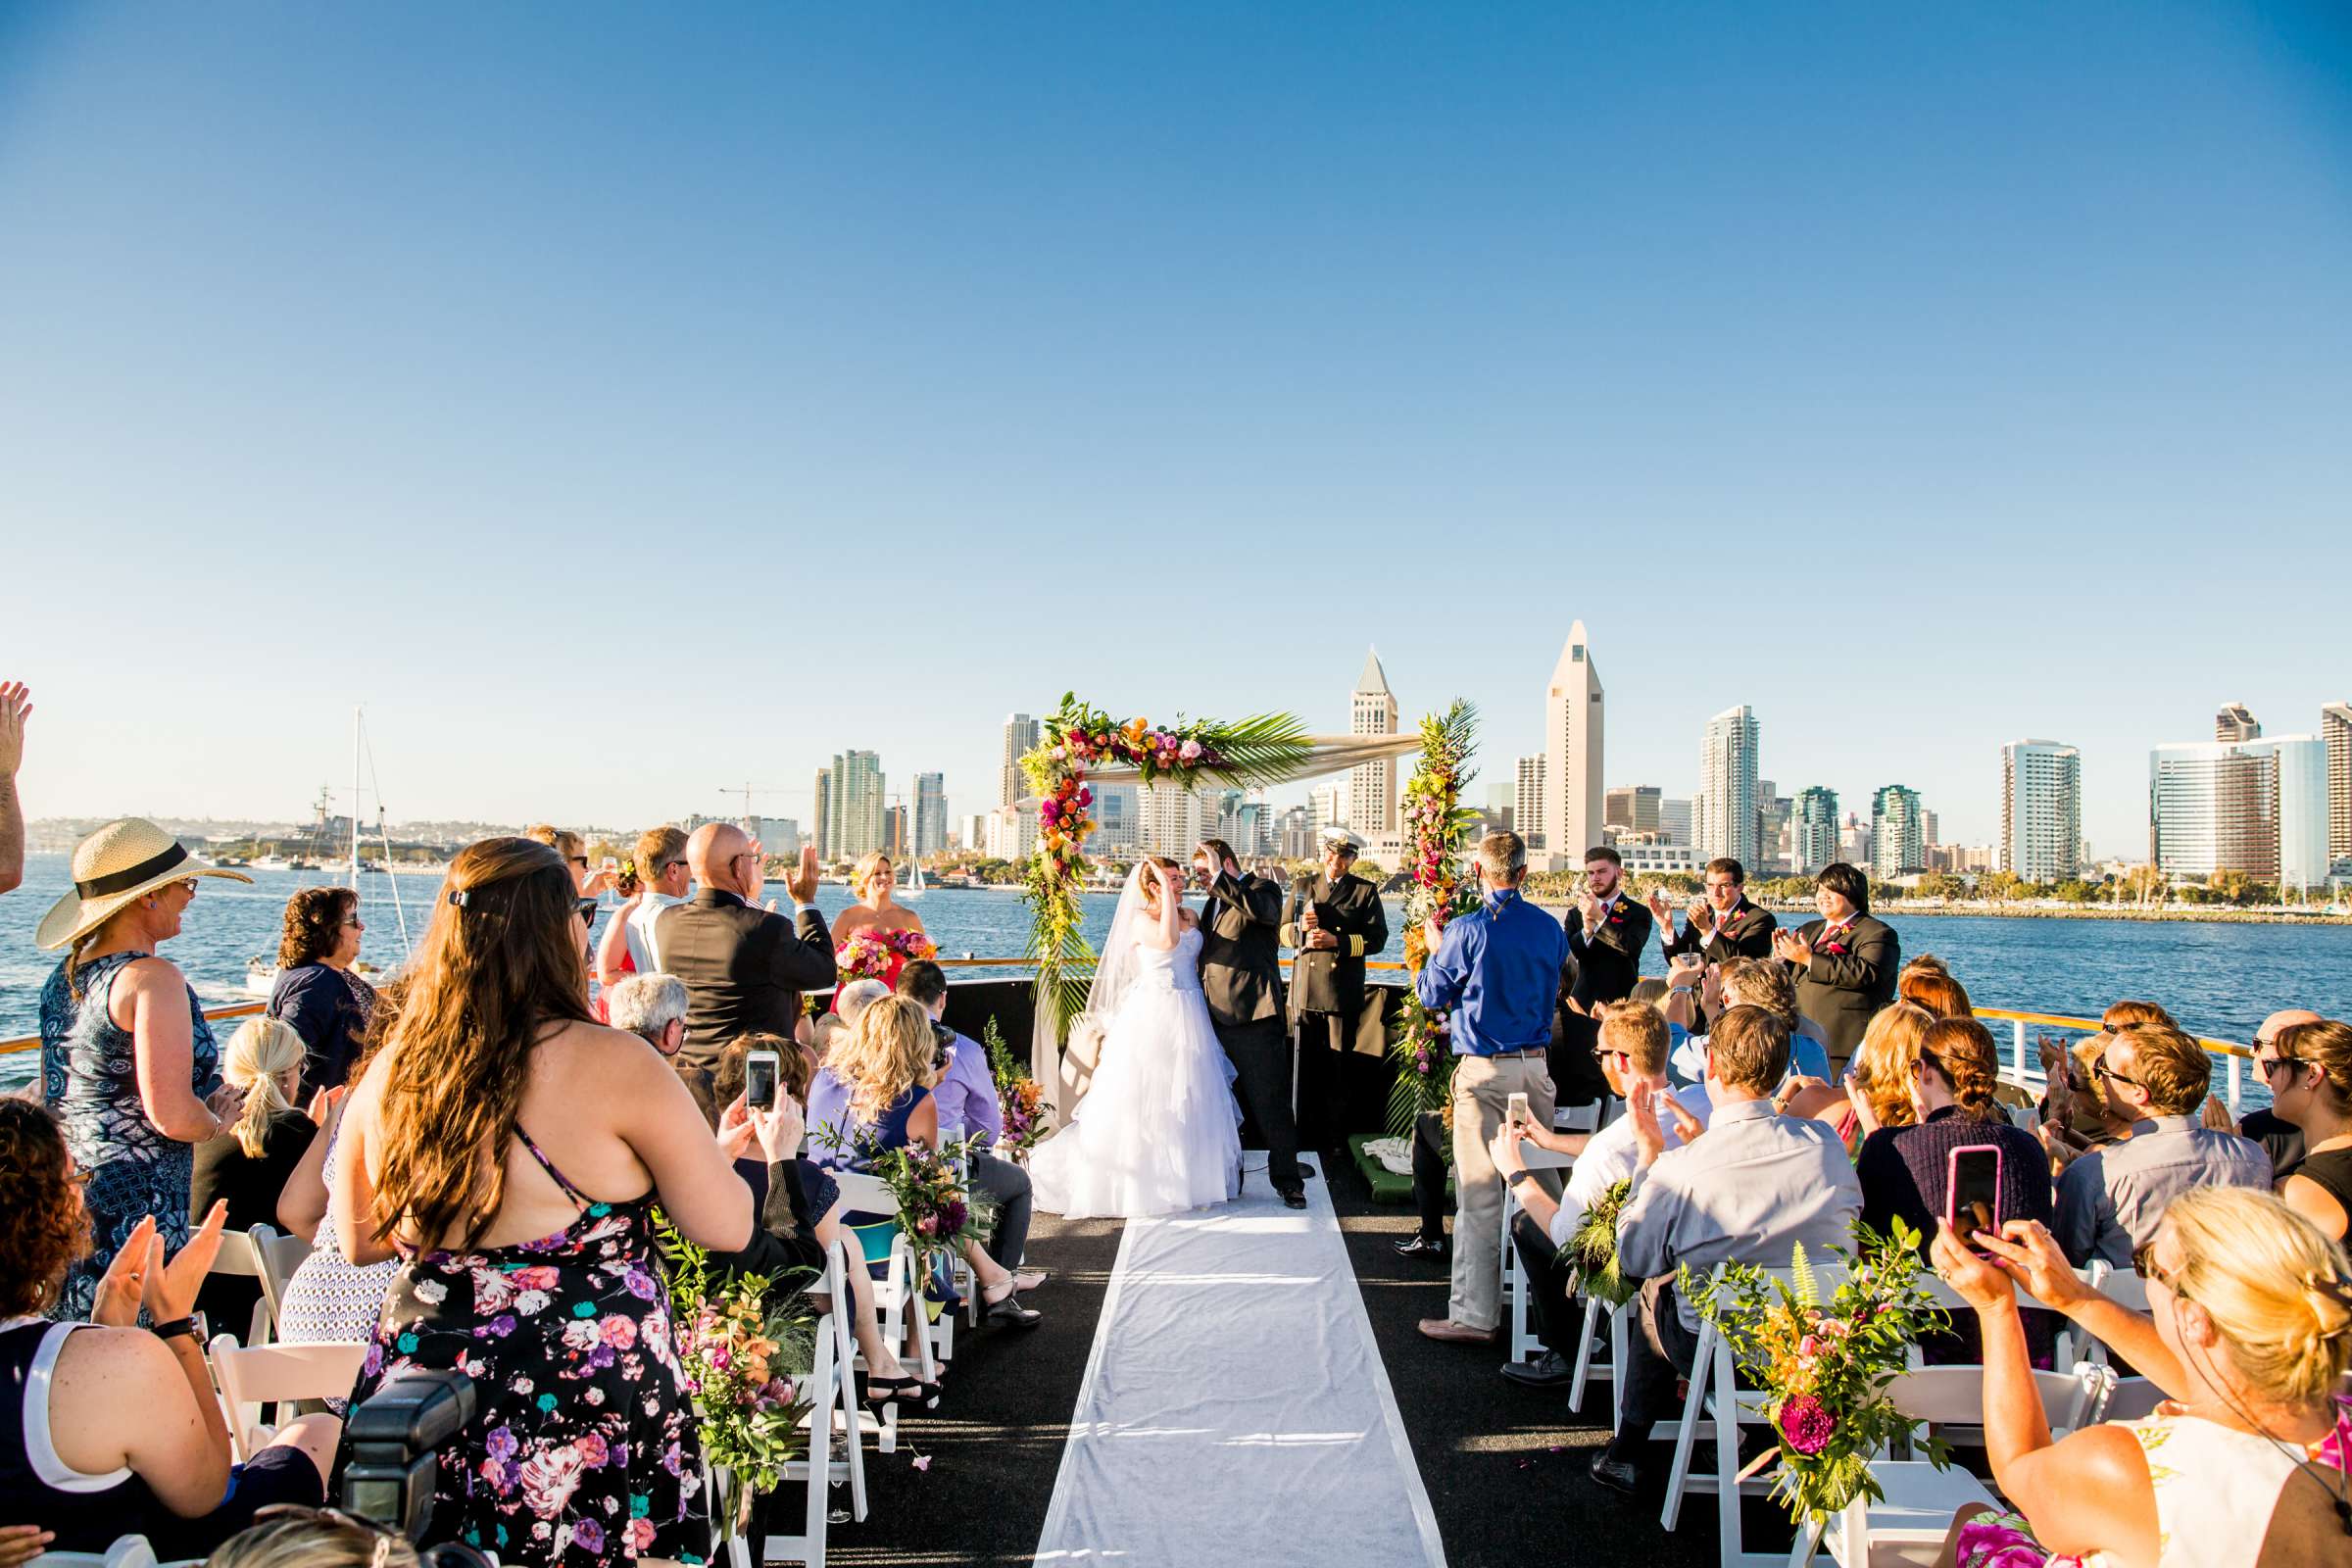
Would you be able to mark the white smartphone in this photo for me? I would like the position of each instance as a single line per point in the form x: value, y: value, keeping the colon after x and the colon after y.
x: 759, y: 1075
x: 1515, y: 1112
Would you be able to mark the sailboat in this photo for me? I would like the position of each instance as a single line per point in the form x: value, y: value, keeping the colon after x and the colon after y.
x: 914, y: 887
x: 261, y: 971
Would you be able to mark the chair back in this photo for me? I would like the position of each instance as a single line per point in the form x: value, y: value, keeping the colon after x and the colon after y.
x: 276, y: 1257
x: 1954, y: 1396
x: 251, y: 1376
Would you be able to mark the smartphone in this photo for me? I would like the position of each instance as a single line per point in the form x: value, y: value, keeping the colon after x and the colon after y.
x: 1515, y: 1112
x: 1972, y: 1199
x: 760, y: 1070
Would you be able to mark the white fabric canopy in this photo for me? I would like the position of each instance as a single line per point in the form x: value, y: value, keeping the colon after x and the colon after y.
x: 1234, y: 1382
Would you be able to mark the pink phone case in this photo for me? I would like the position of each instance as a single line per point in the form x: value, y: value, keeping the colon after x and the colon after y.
x: 1951, y: 1181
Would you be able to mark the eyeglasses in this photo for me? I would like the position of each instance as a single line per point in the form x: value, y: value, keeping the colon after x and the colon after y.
x: 580, y: 860
x: 2143, y: 1264
x: 1624, y: 1057
x: 667, y: 864
x: 354, y: 922
x: 585, y: 908
x: 2100, y: 1069
x: 2268, y: 1065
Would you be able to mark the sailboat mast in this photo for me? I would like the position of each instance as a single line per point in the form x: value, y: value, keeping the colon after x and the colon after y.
x: 354, y: 800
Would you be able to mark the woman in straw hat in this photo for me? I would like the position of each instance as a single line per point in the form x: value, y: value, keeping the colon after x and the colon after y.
x: 127, y: 1061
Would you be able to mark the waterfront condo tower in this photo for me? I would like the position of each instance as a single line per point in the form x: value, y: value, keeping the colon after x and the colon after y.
x: 1813, y: 830
x: 1724, y: 816
x: 1897, y: 837
x: 1372, y: 787
x: 2041, y: 811
x: 1572, y: 755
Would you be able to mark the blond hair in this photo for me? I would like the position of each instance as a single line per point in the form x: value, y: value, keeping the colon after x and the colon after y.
x: 2277, y: 1290
x: 1761, y: 983
x: 864, y: 872
x: 1883, y: 1062
x: 887, y: 1052
x: 291, y: 1537
x: 260, y: 1055
x: 1639, y: 1029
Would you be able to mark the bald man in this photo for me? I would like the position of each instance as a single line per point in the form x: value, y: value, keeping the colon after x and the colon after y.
x: 2283, y: 1141
x: 745, y: 965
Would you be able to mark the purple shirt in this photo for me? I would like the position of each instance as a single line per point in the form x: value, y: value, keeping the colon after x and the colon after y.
x: 967, y: 1094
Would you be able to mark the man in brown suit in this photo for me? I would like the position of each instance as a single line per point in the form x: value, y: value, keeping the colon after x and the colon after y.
x: 1241, y: 977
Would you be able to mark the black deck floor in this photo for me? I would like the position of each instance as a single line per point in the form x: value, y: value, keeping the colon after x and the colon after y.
x: 1504, y: 1466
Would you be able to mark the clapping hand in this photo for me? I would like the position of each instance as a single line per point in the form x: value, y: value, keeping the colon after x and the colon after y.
x: 1687, y: 1126
x: 803, y: 883
x: 1702, y: 916
x: 1790, y: 947
x: 22, y: 1544
x: 326, y: 1105
x: 1650, y: 1139
x: 1661, y: 910
x: 15, y: 707
x: 1684, y: 972
x: 2216, y: 1115
x: 140, y: 1275
x: 124, y: 1284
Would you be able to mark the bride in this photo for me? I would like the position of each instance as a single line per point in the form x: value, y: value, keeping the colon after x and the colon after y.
x: 1159, y: 1130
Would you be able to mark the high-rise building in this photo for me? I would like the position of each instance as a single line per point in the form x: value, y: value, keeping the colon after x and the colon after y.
x: 1897, y: 846
x: 1929, y: 829
x: 2041, y: 811
x: 1854, y: 842
x: 1527, y: 806
x: 1813, y: 830
x: 1327, y: 807
x: 1773, y: 810
x: 2237, y: 722
x: 780, y: 835
x: 1724, y: 819
x: 1118, y: 828
x: 930, y: 835
x: 894, y: 832
x: 854, y: 810
x: 2257, y: 806
x: 1572, y: 755
x: 1633, y: 808
x: 1171, y: 823
x: 821, y: 820
x: 2335, y: 732
x: 1021, y: 735
x: 1674, y: 820
x: 971, y: 833
x: 1296, y: 836
x: 1372, y: 787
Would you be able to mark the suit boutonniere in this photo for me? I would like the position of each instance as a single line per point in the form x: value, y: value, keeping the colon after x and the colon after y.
x: 1836, y: 949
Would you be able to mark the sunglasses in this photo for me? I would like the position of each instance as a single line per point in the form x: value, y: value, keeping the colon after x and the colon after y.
x: 585, y: 908
x: 2143, y: 1264
x: 2101, y: 1070
x: 580, y: 860
x: 2268, y: 1065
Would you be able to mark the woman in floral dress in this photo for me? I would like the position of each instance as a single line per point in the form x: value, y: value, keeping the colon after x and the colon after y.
x: 509, y: 1149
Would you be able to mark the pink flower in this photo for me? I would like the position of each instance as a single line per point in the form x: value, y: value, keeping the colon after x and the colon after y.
x: 640, y: 1535
x: 922, y: 1461
x: 619, y: 1331
x: 1189, y: 751
x: 1807, y: 1424
x: 1808, y: 1345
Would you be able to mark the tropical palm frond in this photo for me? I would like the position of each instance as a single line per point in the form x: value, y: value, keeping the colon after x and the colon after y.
x: 1263, y: 749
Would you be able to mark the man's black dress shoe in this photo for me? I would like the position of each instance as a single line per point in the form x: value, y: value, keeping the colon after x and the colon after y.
x: 1010, y: 1313
x: 1294, y: 1198
x: 1618, y: 1475
x: 1551, y: 1370
x: 1422, y: 1246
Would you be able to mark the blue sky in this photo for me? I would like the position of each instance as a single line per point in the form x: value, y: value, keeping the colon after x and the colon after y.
x: 621, y: 401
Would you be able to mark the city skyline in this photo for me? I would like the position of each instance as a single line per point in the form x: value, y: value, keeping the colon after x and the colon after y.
x: 929, y: 338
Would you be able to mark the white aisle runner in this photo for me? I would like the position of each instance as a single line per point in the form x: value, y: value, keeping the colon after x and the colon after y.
x: 1235, y: 1408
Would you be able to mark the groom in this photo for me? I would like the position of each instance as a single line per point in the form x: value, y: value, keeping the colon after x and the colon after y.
x: 1241, y: 977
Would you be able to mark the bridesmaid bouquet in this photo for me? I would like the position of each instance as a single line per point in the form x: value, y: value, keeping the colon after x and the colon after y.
x: 936, y: 1209
x: 878, y: 955
x: 747, y: 1344
x: 1826, y: 1363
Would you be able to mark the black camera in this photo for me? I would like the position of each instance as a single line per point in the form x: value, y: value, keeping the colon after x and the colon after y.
x: 943, y: 1046
x: 391, y: 1444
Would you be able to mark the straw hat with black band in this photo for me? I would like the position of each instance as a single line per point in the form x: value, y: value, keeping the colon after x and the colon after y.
x: 120, y: 864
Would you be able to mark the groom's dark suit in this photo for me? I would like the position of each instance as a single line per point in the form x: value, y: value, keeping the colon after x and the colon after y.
x: 1241, y: 978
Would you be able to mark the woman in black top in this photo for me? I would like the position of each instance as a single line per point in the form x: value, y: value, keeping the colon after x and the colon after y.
x: 315, y: 992
x: 247, y: 1166
x: 2308, y: 1067
x: 1907, y: 1171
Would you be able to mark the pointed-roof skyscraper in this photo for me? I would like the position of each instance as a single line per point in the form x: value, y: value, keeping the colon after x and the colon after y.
x: 1572, y: 735
x: 1372, y: 788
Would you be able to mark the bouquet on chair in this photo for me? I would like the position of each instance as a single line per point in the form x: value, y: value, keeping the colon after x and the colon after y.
x: 937, y: 1209
x: 1593, y: 1249
x: 1028, y: 1117
x: 747, y: 1346
x: 1825, y: 1365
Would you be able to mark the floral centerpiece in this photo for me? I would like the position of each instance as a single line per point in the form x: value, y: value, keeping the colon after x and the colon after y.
x: 1076, y: 738
x: 879, y: 953
x: 747, y: 1343
x: 1824, y: 1364
x: 1438, y: 827
x: 1593, y: 1248
x: 1027, y: 1115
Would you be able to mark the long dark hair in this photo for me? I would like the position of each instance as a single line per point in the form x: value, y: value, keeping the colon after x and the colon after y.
x: 500, y: 969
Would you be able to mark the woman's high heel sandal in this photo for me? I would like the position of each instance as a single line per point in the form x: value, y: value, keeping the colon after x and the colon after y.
x: 882, y: 1392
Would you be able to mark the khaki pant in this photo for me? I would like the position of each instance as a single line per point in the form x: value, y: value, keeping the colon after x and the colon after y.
x: 1482, y: 1087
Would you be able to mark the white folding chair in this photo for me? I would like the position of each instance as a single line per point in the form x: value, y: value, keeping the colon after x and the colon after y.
x: 250, y: 1377
x: 2124, y: 1289
x: 1717, y: 1402
x: 276, y: 1257
x: 1516, y: 1300
x: 238, y: 1259
x: 834, y: 1414
x: 1951, y: 1399
x: 2067, y: 1351
x: 126, y: 1552
x: 1907, y: 1524
x: 897, y: 1293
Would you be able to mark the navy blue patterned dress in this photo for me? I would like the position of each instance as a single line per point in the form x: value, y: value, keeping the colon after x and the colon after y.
x: 90, y: 1076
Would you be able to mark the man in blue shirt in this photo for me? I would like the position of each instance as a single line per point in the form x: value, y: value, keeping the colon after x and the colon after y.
x: 1497, y: 968
x: 966, y: 1097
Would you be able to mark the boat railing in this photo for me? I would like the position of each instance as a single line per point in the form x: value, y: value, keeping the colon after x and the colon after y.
x: 2023, y: 1068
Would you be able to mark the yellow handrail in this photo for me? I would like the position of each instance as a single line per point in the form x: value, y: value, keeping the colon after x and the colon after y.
x: 2218, y: 1047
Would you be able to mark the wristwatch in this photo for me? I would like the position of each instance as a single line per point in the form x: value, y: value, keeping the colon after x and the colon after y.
x: 177, y: 1328
x: 1517, y: 1176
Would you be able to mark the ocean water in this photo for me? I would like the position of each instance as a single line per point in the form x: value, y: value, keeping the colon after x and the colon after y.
x: 2219, y: 979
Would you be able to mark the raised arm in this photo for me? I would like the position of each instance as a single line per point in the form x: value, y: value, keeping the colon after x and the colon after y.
x: 15, y: 707
x: 659, y: 1121
x: 612, y: 948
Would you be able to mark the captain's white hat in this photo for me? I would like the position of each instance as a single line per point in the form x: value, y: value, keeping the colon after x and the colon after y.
x: 1336, y: 834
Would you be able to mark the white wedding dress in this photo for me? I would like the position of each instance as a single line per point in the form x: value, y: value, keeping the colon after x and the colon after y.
x: 1159, y: 1130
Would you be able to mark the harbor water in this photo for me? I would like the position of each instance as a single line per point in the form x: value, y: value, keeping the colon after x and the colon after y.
x: 2218, y: 979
